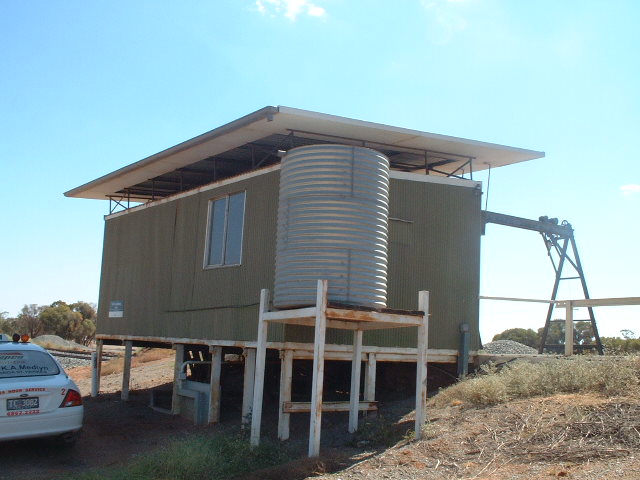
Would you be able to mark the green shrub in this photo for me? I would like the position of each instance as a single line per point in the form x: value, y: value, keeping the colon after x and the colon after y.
x: 526, y: 336
x: 620, y: 346
x: 198, y: 457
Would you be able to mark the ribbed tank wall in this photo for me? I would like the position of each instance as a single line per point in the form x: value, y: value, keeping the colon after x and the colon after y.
x: 332, y: 224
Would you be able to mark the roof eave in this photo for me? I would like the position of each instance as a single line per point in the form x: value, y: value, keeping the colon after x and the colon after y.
x: 263, y: 113
x: 283, y: 119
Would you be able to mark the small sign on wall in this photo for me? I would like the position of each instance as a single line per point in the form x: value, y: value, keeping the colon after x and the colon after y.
x: 116, y: 309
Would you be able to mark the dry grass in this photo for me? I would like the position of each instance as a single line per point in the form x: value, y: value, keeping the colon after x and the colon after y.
x: 141, y: 356
x: 152, y: 354
x: 522, y: 439
x: 55, y: 346
x: 585, y: 432
x: 607, y: 375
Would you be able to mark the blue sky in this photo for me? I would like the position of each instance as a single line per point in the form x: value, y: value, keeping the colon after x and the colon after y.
x: 88, y: 87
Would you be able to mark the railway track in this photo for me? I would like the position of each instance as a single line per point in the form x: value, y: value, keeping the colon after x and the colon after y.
x: 79, y: 354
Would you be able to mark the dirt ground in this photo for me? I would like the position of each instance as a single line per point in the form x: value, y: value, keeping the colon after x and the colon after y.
x: 538, y: 438
x: 533, y: 439
x: 114, y: 431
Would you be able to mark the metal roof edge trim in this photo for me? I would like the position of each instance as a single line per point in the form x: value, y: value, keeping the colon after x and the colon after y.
x: 253, y: 117
x: 381, y: 126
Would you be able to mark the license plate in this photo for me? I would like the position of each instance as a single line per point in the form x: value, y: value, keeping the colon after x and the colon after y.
x: 23, y: 403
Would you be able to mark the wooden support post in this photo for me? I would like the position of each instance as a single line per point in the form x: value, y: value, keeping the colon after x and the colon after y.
x: 286, y: 372
x: 354, y: 394
x: 421, y: 364
x: 261, y: 354
x: 214, y: 396
x: 97, y: 369
x: 568, y: 329
x: 177, y: 381
x: 370, y: 379
x: 247, y: 389
x: 318, y: 369
x: 126, y: 371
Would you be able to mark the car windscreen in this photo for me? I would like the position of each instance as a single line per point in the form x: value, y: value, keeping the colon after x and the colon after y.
x: 26, y: 363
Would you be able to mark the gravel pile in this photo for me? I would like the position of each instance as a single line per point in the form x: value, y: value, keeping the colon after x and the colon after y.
x: 508, y: 347
x: 54, y: 341
x: 68, y: 363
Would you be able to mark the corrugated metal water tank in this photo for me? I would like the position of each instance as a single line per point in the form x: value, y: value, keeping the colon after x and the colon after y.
x: 332, y: 224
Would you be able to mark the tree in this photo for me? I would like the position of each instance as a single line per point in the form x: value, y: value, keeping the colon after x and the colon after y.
x: 7, y: 325
x: 59, y: 319
x: 620, y: 346
x: 76, y: 321
x: 87, y: 310
x: 521, y: 335
x: 85, y: 332
x: 555, y: 335
x: 72, y: 322
x: 583, y: 333
x: 627, y: 334
x: 28, y: 320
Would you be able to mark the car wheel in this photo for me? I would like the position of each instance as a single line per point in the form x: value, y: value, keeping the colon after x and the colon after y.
x: 68, y: 439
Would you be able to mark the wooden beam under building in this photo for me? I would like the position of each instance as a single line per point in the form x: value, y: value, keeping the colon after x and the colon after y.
x: 286, y: 377
x: 247, y: 388
x: 215, y: 391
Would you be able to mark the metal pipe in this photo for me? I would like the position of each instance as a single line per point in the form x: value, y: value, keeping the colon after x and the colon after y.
x: 511, y: 299
x: 94, y: 374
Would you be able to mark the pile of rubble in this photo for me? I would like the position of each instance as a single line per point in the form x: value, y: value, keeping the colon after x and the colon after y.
x: 508, y: 347
x: 54, y: 341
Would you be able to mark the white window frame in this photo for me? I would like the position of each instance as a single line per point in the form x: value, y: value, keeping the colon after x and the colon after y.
x: 207, y: 249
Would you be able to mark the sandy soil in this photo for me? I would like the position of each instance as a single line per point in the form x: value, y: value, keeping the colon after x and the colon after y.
x: 144, y: 376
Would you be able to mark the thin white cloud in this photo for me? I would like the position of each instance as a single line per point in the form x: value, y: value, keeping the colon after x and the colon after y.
x: 631, y: 189
x: 316, y: 11
x: 290, y: 9
x: 446, y: 19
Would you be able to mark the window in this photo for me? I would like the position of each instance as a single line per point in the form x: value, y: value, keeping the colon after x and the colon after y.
x: 224, y: 236
x: 27, y: 363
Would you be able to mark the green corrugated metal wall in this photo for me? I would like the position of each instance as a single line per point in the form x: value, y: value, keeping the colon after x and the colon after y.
x: 153, y: 261
x: 434, y: 245
x: 438, y: 252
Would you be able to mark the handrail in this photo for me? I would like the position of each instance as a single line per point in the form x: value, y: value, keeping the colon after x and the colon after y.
x: 569, y: 305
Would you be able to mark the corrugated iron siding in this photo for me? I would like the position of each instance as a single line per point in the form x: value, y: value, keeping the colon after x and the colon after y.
x: 153, y: 261
x: 438, y: 251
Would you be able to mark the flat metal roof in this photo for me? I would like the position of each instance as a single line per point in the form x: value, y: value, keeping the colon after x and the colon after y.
x: 257, y: 140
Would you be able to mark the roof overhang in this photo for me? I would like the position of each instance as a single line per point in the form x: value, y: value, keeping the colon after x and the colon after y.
x: 231, y: 149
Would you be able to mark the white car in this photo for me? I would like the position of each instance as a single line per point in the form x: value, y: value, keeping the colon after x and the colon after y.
x: 37, y: 397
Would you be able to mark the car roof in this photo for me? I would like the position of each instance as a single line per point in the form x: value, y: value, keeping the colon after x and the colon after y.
x: 5, y: 346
